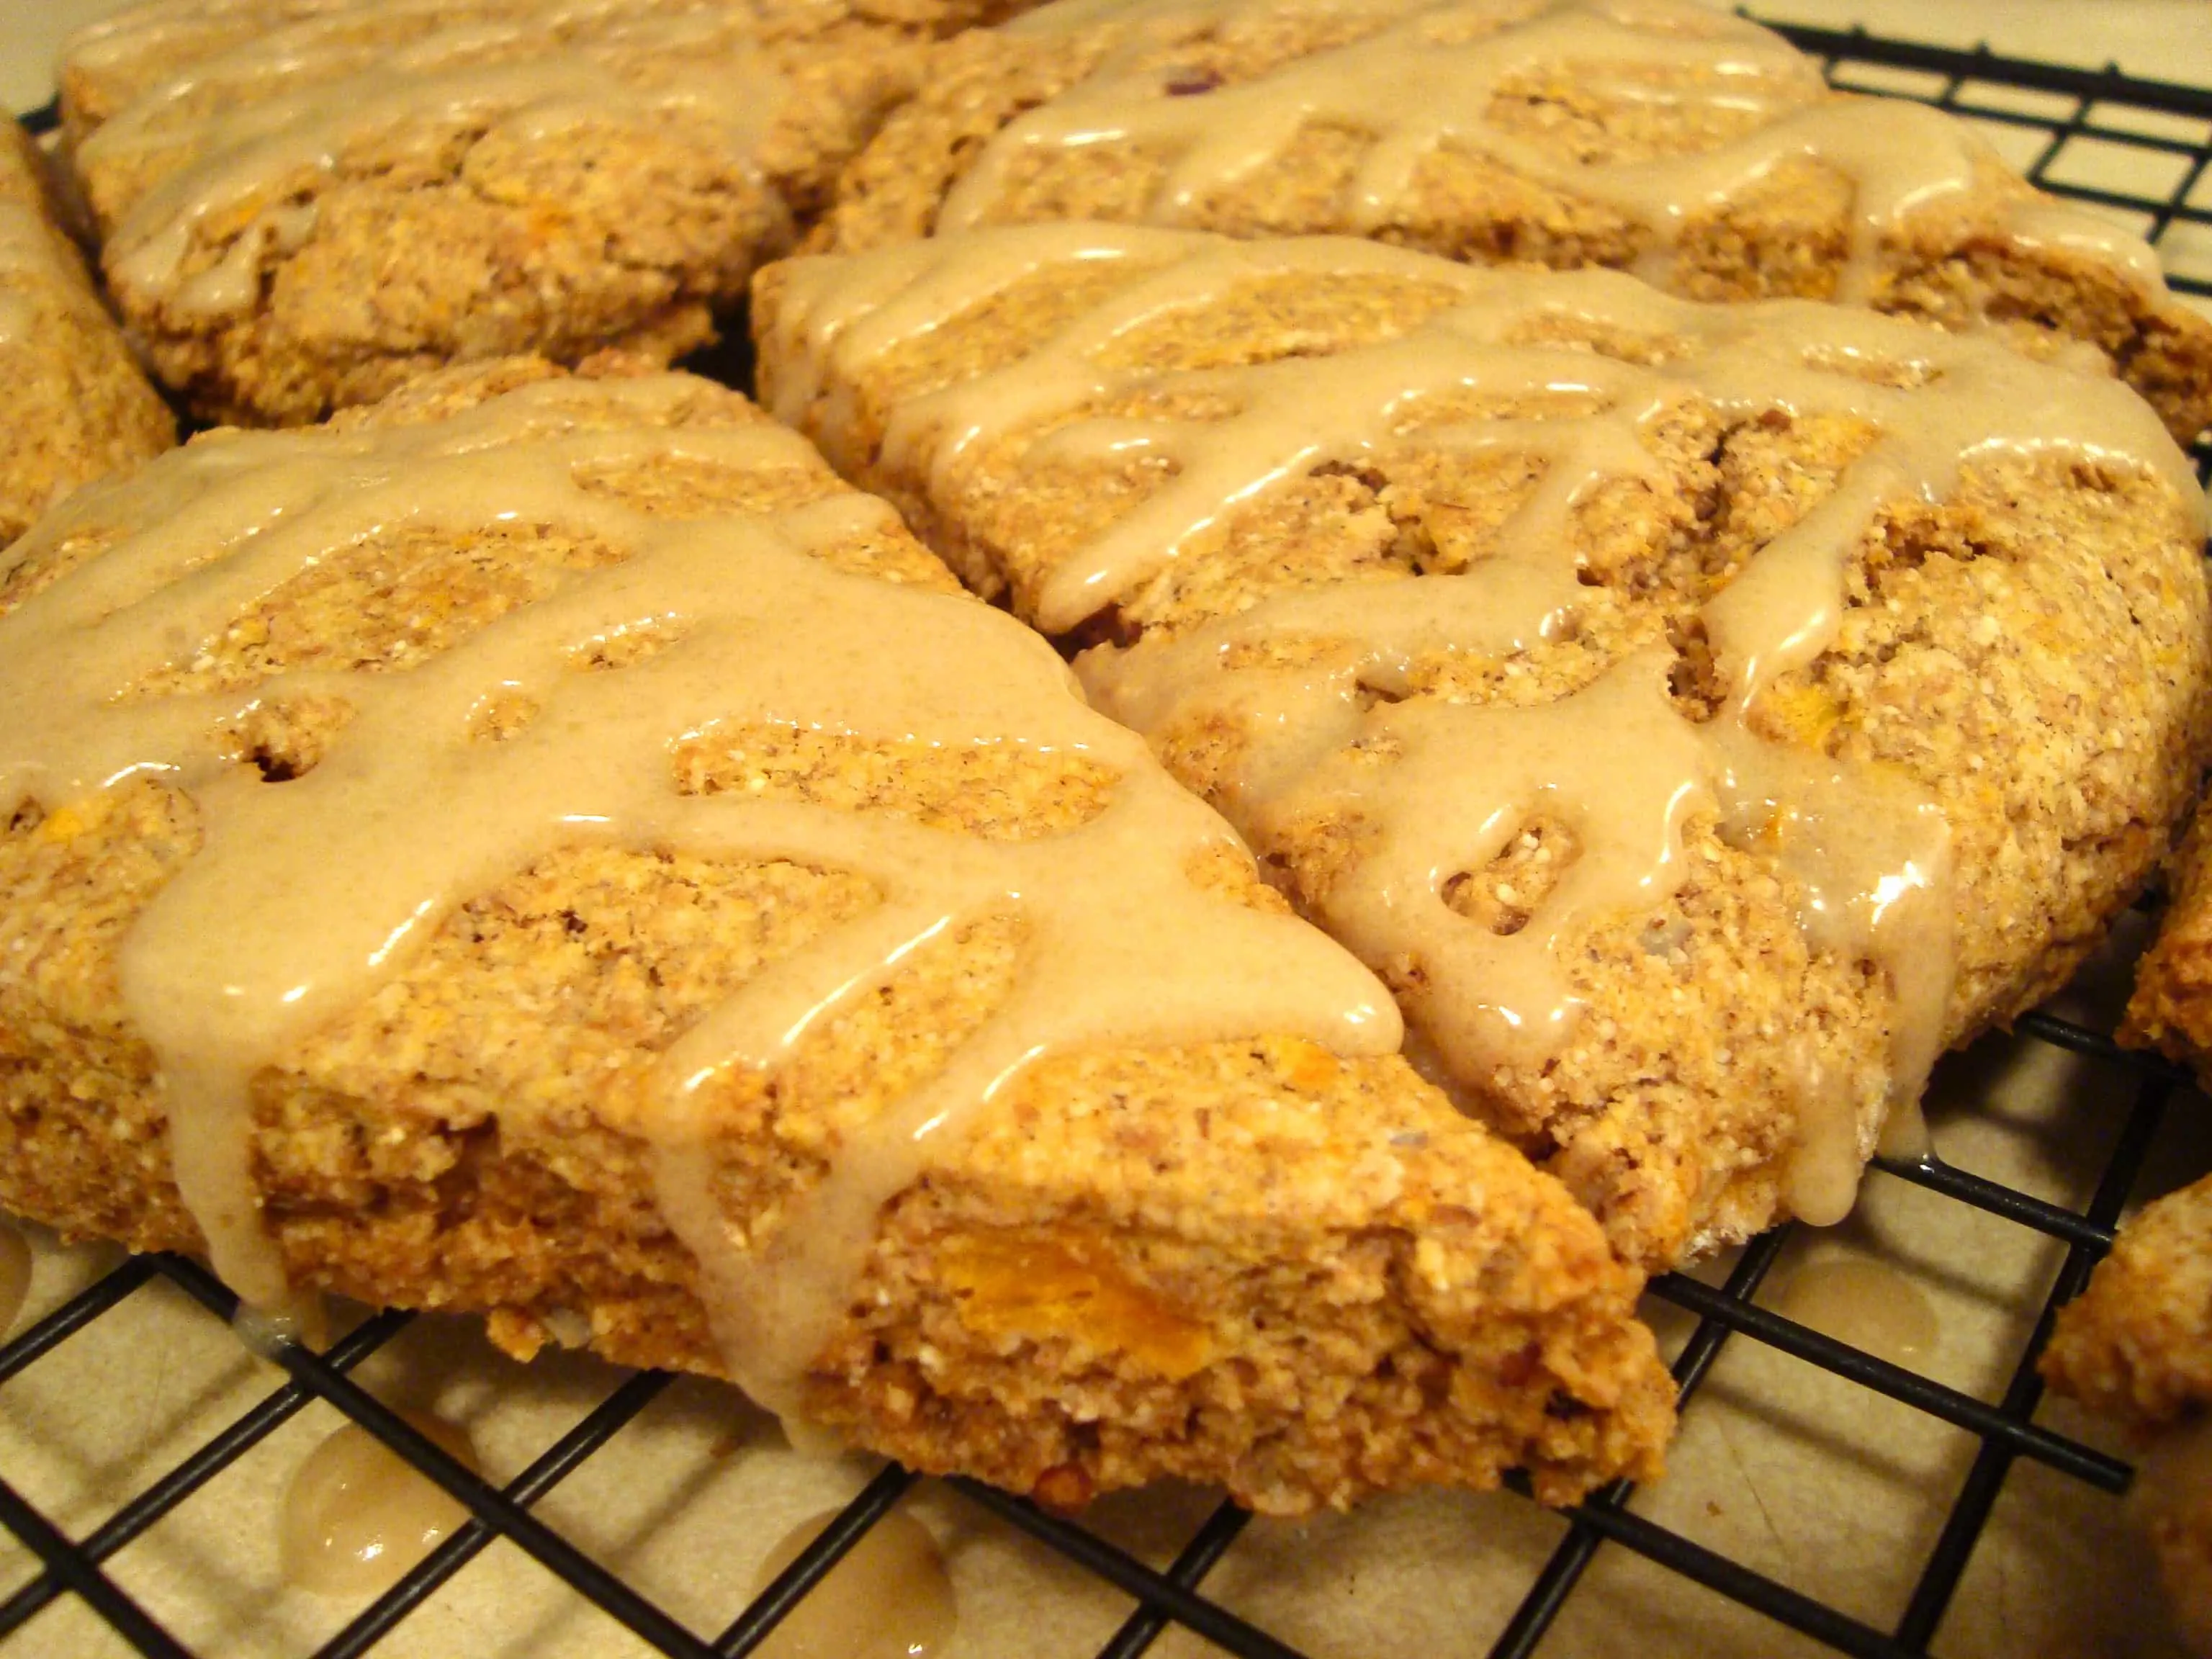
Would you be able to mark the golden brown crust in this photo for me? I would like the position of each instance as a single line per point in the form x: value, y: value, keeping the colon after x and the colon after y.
x: 2137, y: 1344
x: 2171, y: 1007
x: 448, y: 226
x: 1304, y: 1276
x: 1123, y: 1210
x: 77, y: 405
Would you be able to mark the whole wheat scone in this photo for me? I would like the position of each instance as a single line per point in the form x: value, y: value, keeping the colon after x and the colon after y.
x: 1699, y: 715
x: 543, y: 845
x: 76, y: 405
x: 304, y: 203
x: 1697, y: 149
x: 2171, y: 1008
x: 2137, y: 1345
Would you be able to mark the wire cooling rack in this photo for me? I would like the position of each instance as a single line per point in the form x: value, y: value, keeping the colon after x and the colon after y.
x: 2083, y: 109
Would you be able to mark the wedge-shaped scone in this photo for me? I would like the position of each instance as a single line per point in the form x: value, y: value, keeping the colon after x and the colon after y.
x: 2137, y: 1345
x: 1700, y: 151
x: 306, y: 201
x: 1698, y: 714
x: 545, y: 846
x: 76, y: 405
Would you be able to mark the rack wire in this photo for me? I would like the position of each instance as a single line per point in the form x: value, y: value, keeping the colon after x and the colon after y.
x: 1970, y: 83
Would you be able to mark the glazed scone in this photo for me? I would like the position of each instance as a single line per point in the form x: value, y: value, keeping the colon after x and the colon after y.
x: 543, y: 846
x: 304, y: 203
x: 1698, y: 714
x: 2137, y: 1345
x: 76, y: 405
x: 1699, y: 150
x: 110, y: 64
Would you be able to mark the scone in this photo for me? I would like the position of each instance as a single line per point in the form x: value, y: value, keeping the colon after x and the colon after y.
x: 1699, y: 715
x: 1700, y: 151
x: 2171, y: 1008
x: 77, y: 405
x: 544, y: 846
x: 304, y: 203
x: 2137, y: 1345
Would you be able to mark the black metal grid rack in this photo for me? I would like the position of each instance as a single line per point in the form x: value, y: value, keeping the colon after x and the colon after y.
x: 2102, y: 102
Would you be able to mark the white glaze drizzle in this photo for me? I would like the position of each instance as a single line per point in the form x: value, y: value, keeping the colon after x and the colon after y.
x: 1425, y: 79
x: 305, y: 895
x: 1869, y: 849
x: 300, y: 97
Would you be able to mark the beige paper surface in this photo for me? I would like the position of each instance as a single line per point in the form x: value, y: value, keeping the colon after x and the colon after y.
x: 1834, y: 1491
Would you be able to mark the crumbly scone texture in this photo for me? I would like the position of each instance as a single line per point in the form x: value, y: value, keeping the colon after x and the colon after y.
x: 78, y: 405
x: 1785, y: 230
x: 2171, y: 1008
x: 1255, y: 1262
x: 2033, y: 651
x: 2137, y: 1345
x: 340, y: 196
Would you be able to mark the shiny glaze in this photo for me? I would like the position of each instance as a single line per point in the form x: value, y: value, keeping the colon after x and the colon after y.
x: 306, y: 895
x: 1618, y: 760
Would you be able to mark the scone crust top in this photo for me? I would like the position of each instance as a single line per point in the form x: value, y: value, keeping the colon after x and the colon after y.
x: 303, y: 206
x: 1517, y: 618
x: 1697, y: 149
x: 109, y: 63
